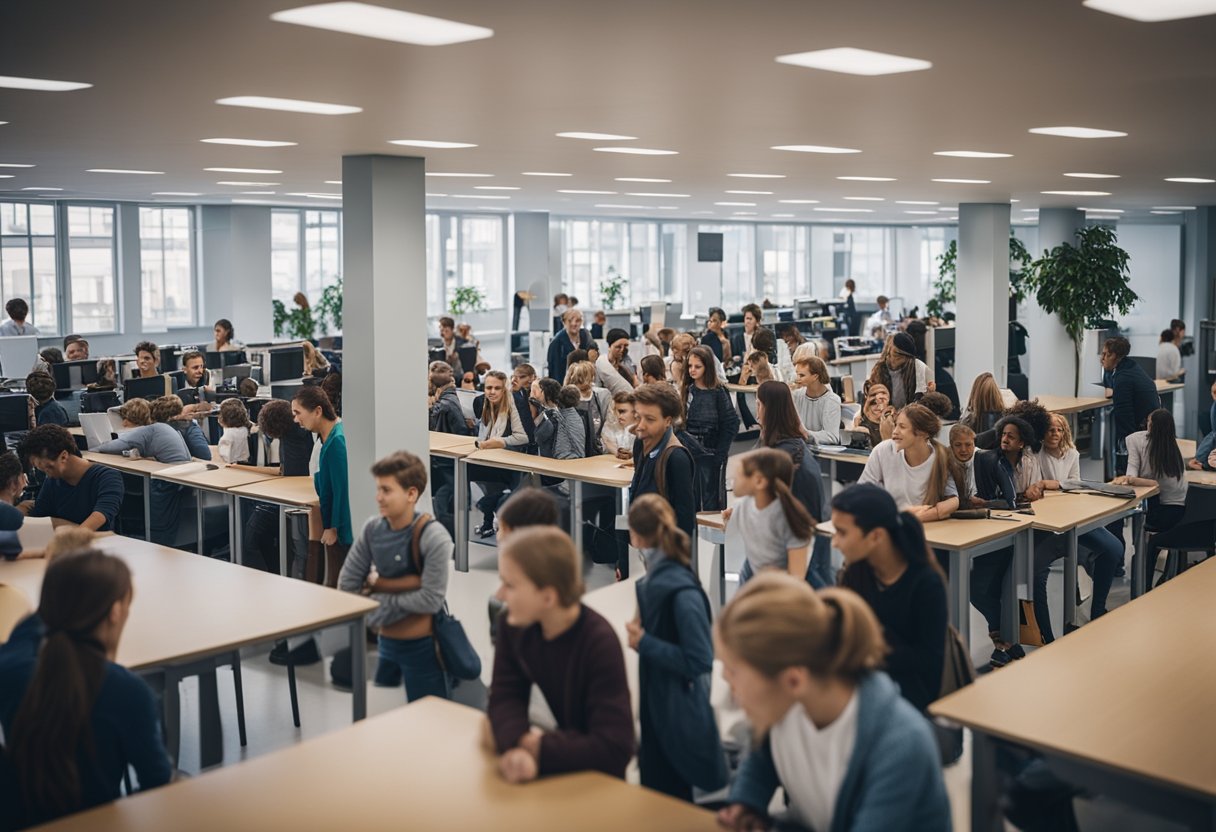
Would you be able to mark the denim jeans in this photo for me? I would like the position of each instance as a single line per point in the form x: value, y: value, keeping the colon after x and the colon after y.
x: 987, y: 585
x: 819, y: 573
x: 419, y: 666
x: 1108, y: 555
x: 746, y: 573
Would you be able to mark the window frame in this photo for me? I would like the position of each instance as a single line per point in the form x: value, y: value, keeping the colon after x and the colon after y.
x: 29, y: 250
x: 63, y: 236
x: 195, y: 229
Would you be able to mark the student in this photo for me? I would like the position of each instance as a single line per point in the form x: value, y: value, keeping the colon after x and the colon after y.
x: 653, y: 369
x: 451, y: 344
x: 757, y: 370
x: 1153, y: 458
x: 313, y: 411
x: 594, y: 402
x: 900, y: 371
x: 1169, y: 357
x: 715, y: 336
x: 381, y: 564
x: 680, y: 745
x: 876, y: 415
x: 741, y: 342
x: 76, y: 348
x: 234, y: 419
x: 313, y: 359
x: 915, y: 467
x: 296, y: 445
x: 69, y: 540
x: 852, y: 320
x: 194, y: 370
x: 225, y: 337
x: 962, y: 446
x: 18, y: 310
x: 618, y: 434
x: 600, y: 320
x: 572, y: 337
x: 817, y: 404
x: 566, y: 649
x: 1059, y: 461
x: 47, y: 411
x: 774, y: 526
x: 561, y: 302
x: 614, y: 370
x: 848, y: 750
x: 498, y: 427
x: 75, y: 490
x: 888, y: 563
x: 938, y: 403
x: 560, y: 433
x: 446, y: 413
x: 1133, y: 394
x: 985, y: 405
x: 169, y: 409
x: 521, y: 389
x: 332, y: 385
x: 147, y: 360
x: 1017, y: 452
x: 1205, y: 451
x: 681, y: 346
x: 74, y: 720
x: 711, y: 418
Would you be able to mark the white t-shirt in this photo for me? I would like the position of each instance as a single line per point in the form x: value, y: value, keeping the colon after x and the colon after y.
x: 811, y: 762
x: 888, y: 467
x: 1061, y: 468
x: 1027, y: 473
x: 1173, y: 490
x: 234, y: 445
x: 1169, y: 360
x: 766, y: 534
x: 897, y: 382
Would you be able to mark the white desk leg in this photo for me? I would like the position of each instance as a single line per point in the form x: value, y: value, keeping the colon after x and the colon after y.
x: 283, y: 570
x: 234, y: 529
x: 148, y: 507
x: 461, y: 507
x: 960, y: 586
x: 576, y: 515
x: 358, y: 669
x: 1070, y: 580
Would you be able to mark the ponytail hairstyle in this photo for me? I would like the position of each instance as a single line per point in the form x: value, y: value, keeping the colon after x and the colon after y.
x: 491, y: 412
x: 873, y: 507
x: 652, y: 518
x: 1164, y: 458
x: 776, y: 621
x: 52, y: 723
x: 777, y: 467
x: 925, y: 421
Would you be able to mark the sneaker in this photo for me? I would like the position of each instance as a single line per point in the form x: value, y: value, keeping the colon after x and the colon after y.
x: 999, y: 658
x: 1015, y: 651
x: 388, y: 675
x: 306, y: 654
x: 484, y: 531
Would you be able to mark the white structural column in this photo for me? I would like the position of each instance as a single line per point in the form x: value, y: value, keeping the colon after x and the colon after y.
x: 384, y: 316
x: 530, y: 265
x: 982, y: 340
x: 235, y: 248
x: 1052, y: 369
x: 1199, y: 272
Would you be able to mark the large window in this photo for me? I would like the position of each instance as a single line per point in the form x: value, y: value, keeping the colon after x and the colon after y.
x: 594, y: 250
x: 27, y: 261
x: 782, y: 250
x: 305, y: 252
x: 738, y: 265
x: 91, y: 268
x: 464, y: 250
x: 166, y: 254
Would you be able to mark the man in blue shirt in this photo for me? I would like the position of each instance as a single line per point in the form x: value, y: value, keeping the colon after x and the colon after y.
x: 75, y: 490
x: 47, y: 411
x: 1133, y: 393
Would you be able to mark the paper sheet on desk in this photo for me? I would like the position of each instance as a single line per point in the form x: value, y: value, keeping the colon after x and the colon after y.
x: 192, y: 468
x: 35, y: 533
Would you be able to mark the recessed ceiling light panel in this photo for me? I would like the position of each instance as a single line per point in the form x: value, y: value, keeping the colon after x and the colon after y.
x: 597, y: 137
x: 249, y: 142
x: 428, y: 143
x: 736, y: 204
x: 637, y: 151
x: 640, y: 179
x: 578, y: 191
x: 670, y: 196
x: 854, y: 61
x: 1191, y: 180
x: 242, y: 184
x: 799, y: 201
x: 13, y: 82
x: 1077, y: 132
x: 757, y: 176
x: 972, y: 154
x: 544, y: 173
x: 1093, y: 175
x: 1076, y: 193
x: 289, y: 105
x: 750, y: 193
x: 915, y: 202
x: 966, y: 181
x: 814, y: 148
x: 866, y: 178
x: 243, y: 170
x: 175, y: 193
x: 1153, y: 11
x: 134, y: 172
x: 11, y: 165
x: 371, y: 21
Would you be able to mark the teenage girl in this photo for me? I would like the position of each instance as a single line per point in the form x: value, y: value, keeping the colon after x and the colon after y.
x: 715, y: 338
x: 848, y: 750
x: 74, y: 720
x: 775, y: 527
x: 915, y: 467
x: 711, y: 418
x: 905, y: 375
x: 499, y: 427
x: 681, y: 747
x: 234, y: 442
x: 985, y: 406
x: 876, y: 414
x: 314, y: 412
x: 1153, y: 458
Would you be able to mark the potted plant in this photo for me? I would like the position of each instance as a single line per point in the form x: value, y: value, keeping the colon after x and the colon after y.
x: 1083, y: 283
x: 612, y: 288
x: 467, y: 299
x: 945, y: 288
x: 296, y: 323
x: 329, y: 307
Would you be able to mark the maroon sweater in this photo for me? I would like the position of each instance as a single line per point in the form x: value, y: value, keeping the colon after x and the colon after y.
x: 582, y: 676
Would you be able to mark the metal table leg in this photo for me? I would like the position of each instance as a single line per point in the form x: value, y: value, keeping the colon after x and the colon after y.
x: 198, y: 512
x: 461, y: 507
x: 283, y: 570
x: 147, y: 506
x: 234, y: 529
x: 1010, y: 630
x: 1139, y: 554
x: 985, y: 784
x: 1070, y: 580
x: 210, y: 730
x: 960, y: 592
x: 576, y: 514
x: 358, y: 669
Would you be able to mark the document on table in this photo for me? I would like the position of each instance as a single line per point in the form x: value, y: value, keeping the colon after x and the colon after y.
x: 35, y: 534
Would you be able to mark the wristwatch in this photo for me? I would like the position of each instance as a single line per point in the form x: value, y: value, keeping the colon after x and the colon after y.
x: 477, y: 444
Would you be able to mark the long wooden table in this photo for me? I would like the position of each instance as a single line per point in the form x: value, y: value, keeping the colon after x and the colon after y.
x: 1121, y: 707
x: 441, y: 777
x: 142, y: 468
x: 218, y: 479
x: 189, y: 610
x: 286, y: 493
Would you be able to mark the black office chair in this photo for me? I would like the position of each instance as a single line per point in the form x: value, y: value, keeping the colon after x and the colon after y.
x: 1195, y: 532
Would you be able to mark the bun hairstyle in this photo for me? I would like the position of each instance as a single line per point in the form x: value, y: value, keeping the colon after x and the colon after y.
x: 925, y: 421
x: 777, y: 467
x: 776, y: 621
x: 654, y: 520
x: 873, y: 507
x: 547, y: 558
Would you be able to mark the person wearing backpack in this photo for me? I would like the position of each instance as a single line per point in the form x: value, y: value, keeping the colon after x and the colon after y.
x: 560, y: 431
x: 594, y: 402
x: 775, y: 528
x: 661, y: 463
x: 400, y: 559
x: 712, y: 419
x: 680, y: 744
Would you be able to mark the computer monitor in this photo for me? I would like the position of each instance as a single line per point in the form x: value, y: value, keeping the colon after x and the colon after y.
x: 468, y: 358
x: 218, y: 360
x: 72, y: 375
x: 237, y: 371
x: 147, y: 388
x: 286, y: 364
x: 16, y: 412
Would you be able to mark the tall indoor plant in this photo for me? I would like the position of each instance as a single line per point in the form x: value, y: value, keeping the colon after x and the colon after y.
x: 296, y: 322
x: 945, y: 287
x: 1083, y: 283
x: 329, y: 308
x: 613, y: 288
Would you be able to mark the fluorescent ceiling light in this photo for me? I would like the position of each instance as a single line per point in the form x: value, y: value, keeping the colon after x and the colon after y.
x: 615, y: 205
x: 966, y: 181
x: 636, y: 151
x: 249, y: 142
x: 1191, y: 180
x: 666, y: 208
x: 175, y: 193
x: 1173, y: 207
x: 41, y: 189
x: 1077, y: 132
x: 865, y: 198
x: 118, y: 170
x: 465, y: 175
x: 915, y: 202
x: 41, y: 84
x: 781, y: 216
x: 544, y: 173
x: 744, y: 213
x: 430, y: 144
x: 1165, y: 212
x: 6, y: 176
x: 597, y: 137
x: 846, y: 210
x: 15, y: 166
x: 814, y: 148
x: 951, y: 210
x: 799, y: 201
x: 672, y: 196
x: 290, y: 105
x: 1093, y: 175
x: 921, y: 212
x: 3, y: 122
x: 575, y: 191
x: 1153, y: 11
x: 240, y: 184
x: 1076, y: 193
x: 757, y: 176
x: 314, y: 195
x: 436, y: 195
x: 495, y: 188
x: 736, y: 204
x: 333, y: 181
x: 386, y: 24
x: 242, y: 170
x: 867, y: 178
x: 1103, y: 210
x: 972, y: 154
x: 257, y: 193
x: 749, y: 193
x: 478, y: 196
x: 702, y: 212
x: 639, y: 179
x: 853, y: 61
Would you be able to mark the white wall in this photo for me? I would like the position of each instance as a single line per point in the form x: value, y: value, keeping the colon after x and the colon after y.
x: 1155, y: 261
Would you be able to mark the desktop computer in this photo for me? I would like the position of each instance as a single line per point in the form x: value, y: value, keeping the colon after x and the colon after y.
x: 286, y: 364
x: 219, y: 360
x: 147, y: 388
x: 72, y: 375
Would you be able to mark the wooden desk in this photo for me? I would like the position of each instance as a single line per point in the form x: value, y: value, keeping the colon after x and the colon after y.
x: 1164, y: 386
x: 189, y: 610
x: 1070, y: 405
x: 450, y: 444
x: 1201, y: 479
x: 453, y: 785
x: 711, y: 528
x: 1187, y: 447
x: 968, y: 539
x: 218, y: 479
x: 285, y: 493
x: 142, y: 468
x: 1134, y: 724
x: 742, y: 388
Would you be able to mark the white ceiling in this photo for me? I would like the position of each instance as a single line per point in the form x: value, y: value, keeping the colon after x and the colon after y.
x: 695, y: 76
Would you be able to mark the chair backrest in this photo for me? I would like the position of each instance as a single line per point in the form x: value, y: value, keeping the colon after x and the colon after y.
x: 1200, y: 506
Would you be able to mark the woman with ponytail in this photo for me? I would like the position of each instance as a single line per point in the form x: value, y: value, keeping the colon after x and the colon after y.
x: 680, y: 747
x: 73, y: 718
x: 914, y: 467
x: 773, y: 524
x: 889, y: 565
x: 833, y: 731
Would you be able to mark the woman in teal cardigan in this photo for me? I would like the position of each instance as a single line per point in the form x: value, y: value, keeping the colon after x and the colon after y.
x: 314, y: 411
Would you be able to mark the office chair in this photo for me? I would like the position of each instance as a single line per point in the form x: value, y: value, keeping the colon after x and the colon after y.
x: 1195, y: 532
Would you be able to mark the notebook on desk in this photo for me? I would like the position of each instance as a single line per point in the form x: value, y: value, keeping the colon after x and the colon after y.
x: 97, y: 428
x: 35, y: 534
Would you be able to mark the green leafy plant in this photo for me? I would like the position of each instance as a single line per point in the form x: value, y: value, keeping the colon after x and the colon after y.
x: 1083, y: 283
x: 467, y: 299
x: 945, y: 287
x: 329, y: 307
x: 613, y: 288
x: 296, y: 322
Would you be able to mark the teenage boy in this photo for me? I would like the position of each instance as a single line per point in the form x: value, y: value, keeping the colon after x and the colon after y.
x: 451, y: 343
x: 194, y: 369
x: 818, y: 405
x: 75, y: 490
x: 41, y: 388
x: 18, y: 310
x: 962, y: 446
x: 521, y: 388
x: 446, y: 416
